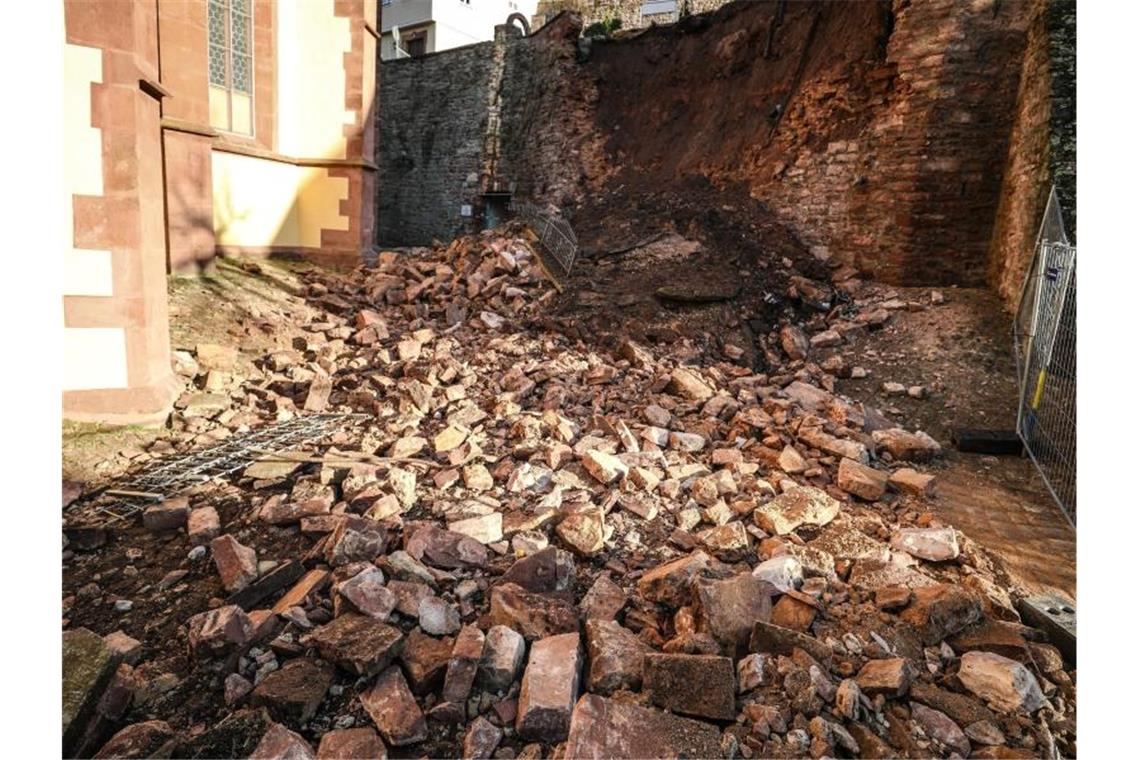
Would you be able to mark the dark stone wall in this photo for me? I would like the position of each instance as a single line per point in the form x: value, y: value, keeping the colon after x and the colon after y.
x: 1042, y: 146
x: 1061, y: 20
x: 444, y: 141
x: 433, y: 113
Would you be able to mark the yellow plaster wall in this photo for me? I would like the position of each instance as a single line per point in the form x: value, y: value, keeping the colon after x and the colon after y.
x: 311, y: 43
x: 86, y: 272
x: 258, y: 202
x: 94, y: 357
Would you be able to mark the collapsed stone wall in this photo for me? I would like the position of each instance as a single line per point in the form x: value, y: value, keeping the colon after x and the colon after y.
x: 880, y: 132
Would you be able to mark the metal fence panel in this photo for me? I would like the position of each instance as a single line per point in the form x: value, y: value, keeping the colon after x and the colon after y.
x: 1045, y: 340
x: 555, y: 236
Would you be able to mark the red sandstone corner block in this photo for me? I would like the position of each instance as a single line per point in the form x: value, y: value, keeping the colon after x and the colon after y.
x: 549, y: 688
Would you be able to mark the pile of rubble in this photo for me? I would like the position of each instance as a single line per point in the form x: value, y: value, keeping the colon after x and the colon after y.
x: 539, y: 548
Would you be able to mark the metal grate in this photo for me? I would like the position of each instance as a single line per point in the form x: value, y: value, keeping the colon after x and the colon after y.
x: 1045, y: 341
x: 556, y: 237
x: 173, y: 475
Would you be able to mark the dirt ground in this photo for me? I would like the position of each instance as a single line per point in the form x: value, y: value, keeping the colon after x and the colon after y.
x: 239, y: 303
x: 962, y: 352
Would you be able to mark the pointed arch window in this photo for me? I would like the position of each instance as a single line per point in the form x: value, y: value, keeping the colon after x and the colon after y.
x: 230, y: 49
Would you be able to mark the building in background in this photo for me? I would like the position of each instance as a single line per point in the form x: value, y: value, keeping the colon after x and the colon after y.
x: 624, y: 14
x: 193, y: 128
x: 417, y: 27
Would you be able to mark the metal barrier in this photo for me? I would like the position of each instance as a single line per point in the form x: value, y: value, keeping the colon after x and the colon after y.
x: 555, y: 236
x: 1045, y: 341
x: 170, y: 476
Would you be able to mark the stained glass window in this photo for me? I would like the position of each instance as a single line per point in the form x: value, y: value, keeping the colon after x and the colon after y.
x: 230, y: 62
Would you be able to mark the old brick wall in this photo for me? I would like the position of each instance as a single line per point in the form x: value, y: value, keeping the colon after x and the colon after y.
x: 879, y: 131
x: 431, y: 130
x: 628, y: 11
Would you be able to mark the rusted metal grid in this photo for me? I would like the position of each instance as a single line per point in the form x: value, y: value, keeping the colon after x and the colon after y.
x: 172, y: 475
x: 557, y: 242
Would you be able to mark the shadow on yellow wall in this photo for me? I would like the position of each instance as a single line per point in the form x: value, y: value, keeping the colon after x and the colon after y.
x: 259, y: 203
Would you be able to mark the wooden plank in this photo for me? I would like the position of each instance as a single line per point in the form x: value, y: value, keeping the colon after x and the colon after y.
x: 313, y: 580
x: 270, y: 583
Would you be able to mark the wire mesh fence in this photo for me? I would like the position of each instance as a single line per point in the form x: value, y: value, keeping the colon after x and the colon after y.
x: 1045, y: 340
x: 171, y: 475
x: 556, y: 237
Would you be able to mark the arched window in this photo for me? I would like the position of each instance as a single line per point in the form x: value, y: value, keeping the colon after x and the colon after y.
x: 230, y: 33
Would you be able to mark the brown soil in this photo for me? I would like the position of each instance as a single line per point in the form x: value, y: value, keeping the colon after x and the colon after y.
x: 638, y: 238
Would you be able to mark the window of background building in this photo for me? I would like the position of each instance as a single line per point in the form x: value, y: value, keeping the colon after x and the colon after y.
x: 231, y: 65
x: 415, y: 43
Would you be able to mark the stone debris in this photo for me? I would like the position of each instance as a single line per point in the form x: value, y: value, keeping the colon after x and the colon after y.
x: 358, y: 643
x: 294, y: 691
x: 170, y: 514
x: 482, y: 739
x: 799, y: 506
x: 352, y: 744
x: 933, y: 544
x: 504, y: 652
x: 236, y: 564
x: 366, y: 593
x: 890, y: 676
x: 784, y: 573
x: 464, y: 665
x: 860, y: 480
x: 605, y: 728
x: 150, y: 738
x: 279, y: 743
x: 1004, y: 684
x: 394, y: 710
x: 910, y: 481
x: 540, y: 545
x: 549, y: 688
x: 203, y: 526
x: 902, y: 444
x: 615, y: 657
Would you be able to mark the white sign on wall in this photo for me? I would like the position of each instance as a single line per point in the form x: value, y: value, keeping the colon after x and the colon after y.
x: 465, y: 209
